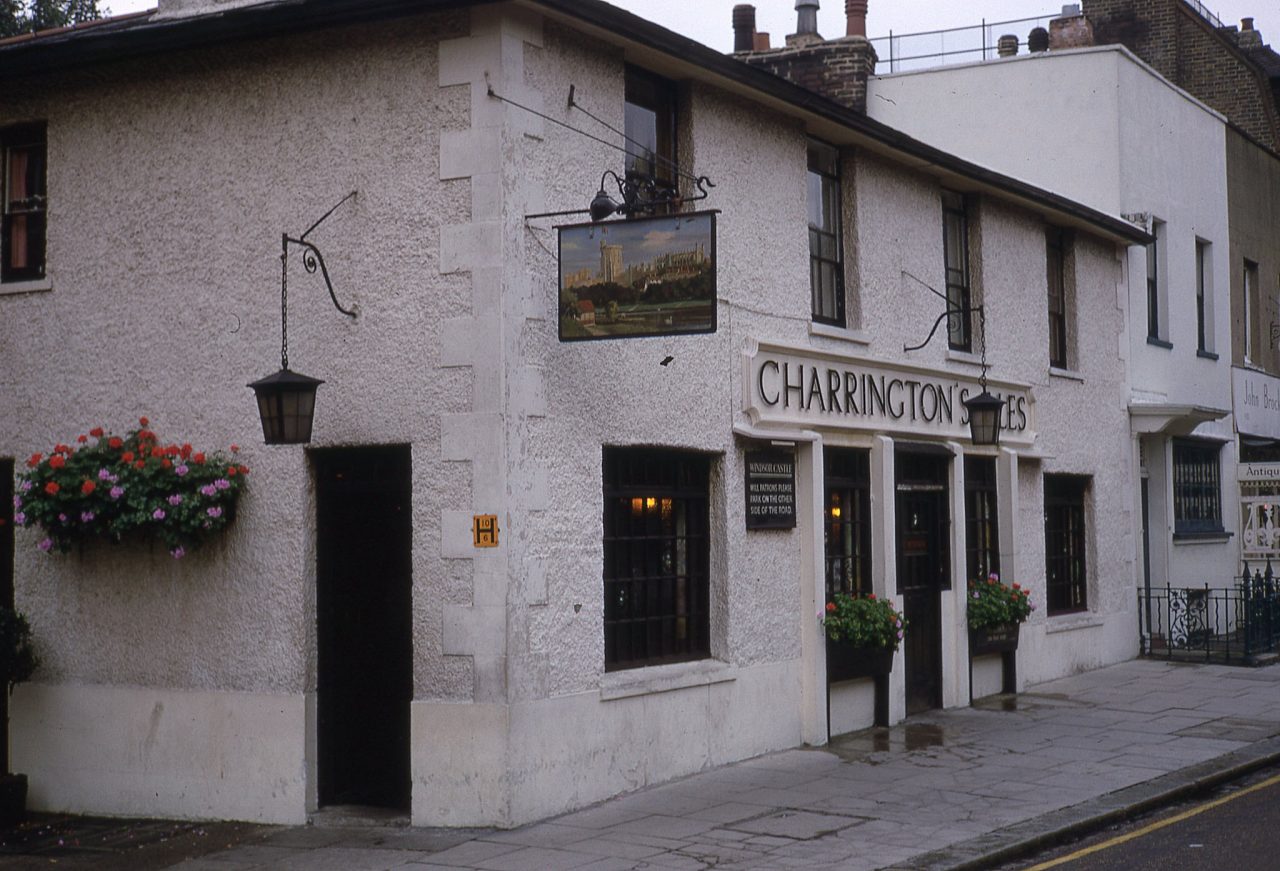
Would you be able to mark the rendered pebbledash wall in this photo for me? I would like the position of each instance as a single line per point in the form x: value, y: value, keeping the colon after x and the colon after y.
x: 184, y: 688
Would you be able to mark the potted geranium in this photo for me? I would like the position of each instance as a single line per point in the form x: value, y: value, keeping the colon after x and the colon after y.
x: 995, y: 613
x: 118, y: 487
x: 17, y: 662
x: 863, y: 633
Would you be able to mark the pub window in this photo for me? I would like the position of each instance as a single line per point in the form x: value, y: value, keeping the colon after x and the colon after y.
x: 981, y: 516
x: 847, y: 521
x: 1156, y: 316
x: 23, y: 195
x: 1058, y: 276
x: 826, y: 279
x: 650, y: 130
x: 1197, y: 487
x: 656, y: 557
x: 955, y: 245
x: 1066, y: 579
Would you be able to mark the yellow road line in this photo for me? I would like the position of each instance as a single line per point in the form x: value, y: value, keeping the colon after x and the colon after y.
x: 1160, y: 824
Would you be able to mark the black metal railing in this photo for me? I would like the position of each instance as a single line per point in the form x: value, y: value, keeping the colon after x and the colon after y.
x: 1237, y: 624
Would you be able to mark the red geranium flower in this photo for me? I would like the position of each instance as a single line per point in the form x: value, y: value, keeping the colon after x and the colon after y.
x: 167, y: 463
x: 52, y: 487
x: 96, y: 432
x: 831, y: 607
x: 126, y: 457
x: 141, y: 464
x: 871, y: 596
x: 88, y: 487
x: 34, y: 460
x: 142, y: 421
x: 57, y: 461
x: 244, y: 470
x: 231, y: 471
x: 115, y: 442
x: 199, y: 458
x: 61, y: 449
x: 157, y: 452
x: 186, y: 451
x: 235, y: 449
x: 82, y: 438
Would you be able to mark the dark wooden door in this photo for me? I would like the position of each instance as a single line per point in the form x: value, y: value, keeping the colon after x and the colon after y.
x: 924, y: 560
x: 364, y: 625
x: 6, y: 587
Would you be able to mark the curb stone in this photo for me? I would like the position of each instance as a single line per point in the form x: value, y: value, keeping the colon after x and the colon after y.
x: 1021, y: 839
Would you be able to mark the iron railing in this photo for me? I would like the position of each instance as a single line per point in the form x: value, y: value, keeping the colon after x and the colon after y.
x: 1239, y: 624
x: 899, y: 52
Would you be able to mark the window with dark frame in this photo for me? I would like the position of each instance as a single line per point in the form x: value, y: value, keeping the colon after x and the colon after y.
x: 1153, y: 280
x: 1066, y: 578
x: 826, y: 273
x: 847, y: 521
x: 981, y: 518
x: 955, y: 245
x: 657, y: 555
x: 650, y: 130
x: 1250, y: 303
x: 1197, y: 487
x: 1203, y: 335
x: 23, y: 195
x: 1056, y: 242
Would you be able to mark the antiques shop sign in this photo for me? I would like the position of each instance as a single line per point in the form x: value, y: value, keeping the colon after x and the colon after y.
x: 803, y: 387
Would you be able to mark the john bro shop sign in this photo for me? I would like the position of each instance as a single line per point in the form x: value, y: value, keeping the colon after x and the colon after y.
x: 800, y: 387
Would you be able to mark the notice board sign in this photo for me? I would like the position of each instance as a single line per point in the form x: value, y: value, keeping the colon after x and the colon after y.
x: 771, y: 489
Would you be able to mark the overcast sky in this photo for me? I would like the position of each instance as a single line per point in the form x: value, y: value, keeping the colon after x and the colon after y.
x: 711, y: 21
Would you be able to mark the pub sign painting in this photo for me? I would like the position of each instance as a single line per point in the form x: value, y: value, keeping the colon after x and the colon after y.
x: 643, y: 277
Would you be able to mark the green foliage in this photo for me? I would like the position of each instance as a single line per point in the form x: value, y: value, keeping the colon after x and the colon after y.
x: 864, y: 621
x: 17, y: 655
x: 114, y: 487
x: 991, y: 603
x: 28, y: 16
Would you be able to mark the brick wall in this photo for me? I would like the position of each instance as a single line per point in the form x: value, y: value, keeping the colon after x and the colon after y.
x: 837, y: 68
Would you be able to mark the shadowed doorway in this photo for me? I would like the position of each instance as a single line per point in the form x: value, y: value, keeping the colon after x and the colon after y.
x: 364, y: 625
x: 924, y: 560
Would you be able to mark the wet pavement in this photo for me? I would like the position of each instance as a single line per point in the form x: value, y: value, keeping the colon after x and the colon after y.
x: 963, y: 788
x: 107, y: 844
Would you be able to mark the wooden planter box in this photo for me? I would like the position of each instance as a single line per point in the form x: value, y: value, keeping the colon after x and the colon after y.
x: 846, y: 662
x: 994, y: 639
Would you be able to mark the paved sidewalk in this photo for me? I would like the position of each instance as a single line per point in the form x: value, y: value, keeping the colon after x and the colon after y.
x: 952, y: 789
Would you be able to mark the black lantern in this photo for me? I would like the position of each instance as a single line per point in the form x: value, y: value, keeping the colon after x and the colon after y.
x: 287, y: 399
x: 984, y: 416
x: 287, y: 404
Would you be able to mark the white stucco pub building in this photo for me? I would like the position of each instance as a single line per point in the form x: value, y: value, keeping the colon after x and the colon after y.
x: 346, y: 642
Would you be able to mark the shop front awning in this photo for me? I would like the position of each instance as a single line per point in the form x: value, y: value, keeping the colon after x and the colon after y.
x: 1163, y: 418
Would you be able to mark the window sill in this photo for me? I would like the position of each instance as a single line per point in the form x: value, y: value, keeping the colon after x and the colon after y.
x: 858, y: 337
x: 1216, y: 537
x: 1159, y: 343
x: 1207, y: 355
x: 1073, y: 621
x: 963, y: 357
x: 38, y: 285
x: 1068, y: 374
x: 665, y: 678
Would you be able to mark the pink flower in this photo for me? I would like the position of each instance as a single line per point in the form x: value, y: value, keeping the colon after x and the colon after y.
x: 214, y: 511
x: 158, y: 514
x: 46, y: 545
x: 178, y: 552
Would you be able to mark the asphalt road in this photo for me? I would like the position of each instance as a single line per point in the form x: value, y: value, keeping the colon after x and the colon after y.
x: 1237, y: 829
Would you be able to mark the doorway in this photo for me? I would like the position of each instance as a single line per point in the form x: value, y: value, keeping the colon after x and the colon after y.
x: 364, y: 625
x: 6, y: 586
x: 924, y: 561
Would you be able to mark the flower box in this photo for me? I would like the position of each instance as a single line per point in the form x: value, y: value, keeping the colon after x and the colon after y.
x: 847, y: 662
x: 994, y: 639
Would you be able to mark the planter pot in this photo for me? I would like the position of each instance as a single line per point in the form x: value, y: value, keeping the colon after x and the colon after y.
x: 994, y: 639
x: 13, y: 799
x: 846, y: 662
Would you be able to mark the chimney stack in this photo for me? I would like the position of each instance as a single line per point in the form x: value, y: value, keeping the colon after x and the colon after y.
x: 1248, y: 37
x: 855, y: 18
x: 1070, y: 30
x: 744, y: 27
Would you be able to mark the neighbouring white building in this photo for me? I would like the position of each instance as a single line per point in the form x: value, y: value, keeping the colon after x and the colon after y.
x: 1100, y: 126
x: 669, y: 510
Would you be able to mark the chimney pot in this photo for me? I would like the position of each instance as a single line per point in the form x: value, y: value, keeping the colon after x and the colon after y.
x: 855, y: 17
x: 744, y: 27
x: 1007, y: 45
x: 761, y: 42
x: 1038, y: 39
x: 1246, y: 24
x: 806, y: 17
